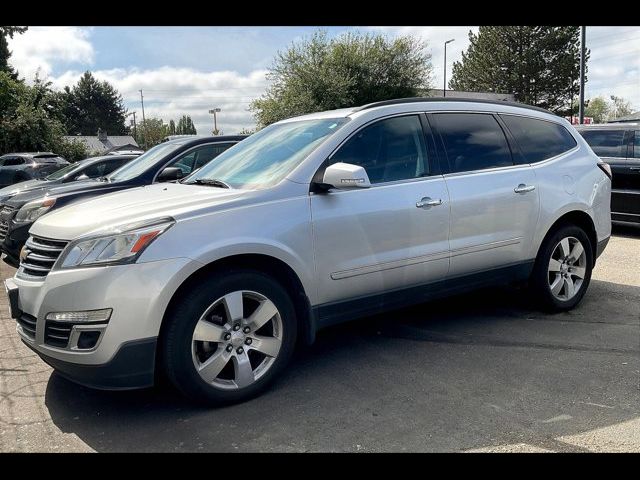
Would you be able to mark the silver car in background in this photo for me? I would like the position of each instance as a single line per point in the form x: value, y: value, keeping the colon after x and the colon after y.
x: 309, y: 222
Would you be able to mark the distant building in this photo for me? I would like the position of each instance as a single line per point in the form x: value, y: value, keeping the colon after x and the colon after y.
x: 504, y: 97
x: 101, y: 144
x: 634, y: 117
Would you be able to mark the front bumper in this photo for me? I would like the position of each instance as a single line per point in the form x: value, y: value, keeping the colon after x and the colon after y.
x: 138, y: 294
x: 132, y: 367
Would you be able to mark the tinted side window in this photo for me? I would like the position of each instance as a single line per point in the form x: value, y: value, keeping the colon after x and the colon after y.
x: 389, y: 150
x: 636, y: 144
x: 605, y: 143
x: 10, y: 162
x: 538, y: 139
x: 112, y: 166
x: 473, y: 141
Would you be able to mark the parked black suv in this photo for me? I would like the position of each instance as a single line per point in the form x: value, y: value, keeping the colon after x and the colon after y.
x: 166, y: 162
x: 618, y: 144
x: 93, y: 167
x: 18, y: 167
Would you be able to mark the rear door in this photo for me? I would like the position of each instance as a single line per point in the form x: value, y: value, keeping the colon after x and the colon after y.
x: 494, y: 199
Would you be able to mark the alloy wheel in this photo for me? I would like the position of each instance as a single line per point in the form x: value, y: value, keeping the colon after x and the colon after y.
x: 567, y: 268
x: 237, y: 340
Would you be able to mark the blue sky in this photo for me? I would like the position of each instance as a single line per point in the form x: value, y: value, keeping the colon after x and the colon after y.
x: 187, y: 70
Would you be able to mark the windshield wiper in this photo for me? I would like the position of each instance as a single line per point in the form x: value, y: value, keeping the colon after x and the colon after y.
x: 211, y: 182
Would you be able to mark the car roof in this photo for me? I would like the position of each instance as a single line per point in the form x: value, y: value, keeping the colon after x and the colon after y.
x: 32, y: 154
x: 609, y: 126
x: 428, y: 103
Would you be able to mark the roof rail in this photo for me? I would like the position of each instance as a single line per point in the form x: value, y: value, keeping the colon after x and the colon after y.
x: 399, y: 101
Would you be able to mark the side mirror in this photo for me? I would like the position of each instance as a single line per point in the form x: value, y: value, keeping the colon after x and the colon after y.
x: 170, y: 174
x: 345, y: 176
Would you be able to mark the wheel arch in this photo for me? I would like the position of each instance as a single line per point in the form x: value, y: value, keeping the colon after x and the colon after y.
x: 579, y: 218
x: 267, y: 264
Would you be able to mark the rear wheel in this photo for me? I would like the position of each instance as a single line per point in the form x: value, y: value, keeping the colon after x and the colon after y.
x: 563, y: 268
x: 229, y: 337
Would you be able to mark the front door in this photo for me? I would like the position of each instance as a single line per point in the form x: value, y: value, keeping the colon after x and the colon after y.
x: 389, y: 236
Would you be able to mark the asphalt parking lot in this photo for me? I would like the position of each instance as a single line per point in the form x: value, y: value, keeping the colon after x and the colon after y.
x: 481, y: 372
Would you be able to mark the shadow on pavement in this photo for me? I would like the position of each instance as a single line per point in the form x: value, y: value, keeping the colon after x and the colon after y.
x: 466, y: 372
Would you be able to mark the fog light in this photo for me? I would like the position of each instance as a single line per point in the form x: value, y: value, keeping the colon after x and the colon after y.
x: 88, y: 339
x: 101, y: 315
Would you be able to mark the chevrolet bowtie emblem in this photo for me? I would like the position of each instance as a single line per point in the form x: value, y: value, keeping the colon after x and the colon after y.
x: 23, y: 253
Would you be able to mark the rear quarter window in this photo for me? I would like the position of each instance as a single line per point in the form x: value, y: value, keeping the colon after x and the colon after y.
x: 539, y: 139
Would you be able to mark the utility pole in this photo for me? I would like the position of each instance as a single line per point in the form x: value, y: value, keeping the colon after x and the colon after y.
x: 583, y: 51
x: 444, y: 86
x: 133, y: 124
x: 144, y: 122
x: 215, y: 120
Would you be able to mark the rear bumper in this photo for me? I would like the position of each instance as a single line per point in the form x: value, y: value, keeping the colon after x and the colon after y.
x: 132, y: 367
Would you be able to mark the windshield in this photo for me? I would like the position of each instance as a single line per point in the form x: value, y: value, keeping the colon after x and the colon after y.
x: 63, y: 171
x: 143, y: 162
x: 266, y: 157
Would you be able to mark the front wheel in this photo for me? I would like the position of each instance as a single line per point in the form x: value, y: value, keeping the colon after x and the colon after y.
x: 229, y: 337
x: 563, y: 268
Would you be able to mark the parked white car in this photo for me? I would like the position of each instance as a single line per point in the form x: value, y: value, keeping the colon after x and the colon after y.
x: 311, y: 221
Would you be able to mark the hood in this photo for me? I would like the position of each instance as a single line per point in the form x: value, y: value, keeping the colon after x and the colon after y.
x: 57, y: 190
x: 135, y: 205
x: 16, y: 188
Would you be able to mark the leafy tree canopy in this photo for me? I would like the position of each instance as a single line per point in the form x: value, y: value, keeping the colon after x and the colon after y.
x: 4, y: 49
x: 352, y: 69
x: 539, y: 65
x: 91, y: 104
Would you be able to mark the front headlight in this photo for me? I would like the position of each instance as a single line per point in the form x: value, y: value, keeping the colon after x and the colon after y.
x: 31, y: 211
x: 122, y: 245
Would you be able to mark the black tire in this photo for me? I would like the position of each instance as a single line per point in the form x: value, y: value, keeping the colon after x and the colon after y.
x: 540, y: 277
x: 176, y: 341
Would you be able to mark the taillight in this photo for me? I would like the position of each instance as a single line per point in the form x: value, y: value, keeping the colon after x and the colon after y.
x: 606, y: 168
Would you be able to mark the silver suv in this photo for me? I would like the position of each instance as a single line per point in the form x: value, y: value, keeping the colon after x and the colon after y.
x: 311, y: 221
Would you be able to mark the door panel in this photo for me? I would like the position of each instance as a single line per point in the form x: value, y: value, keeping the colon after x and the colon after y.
x: 491, y: 224
x: 494, y: 203
x: 372, y: 240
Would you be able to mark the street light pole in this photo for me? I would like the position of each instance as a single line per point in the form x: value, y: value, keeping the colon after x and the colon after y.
x: 583, y: 51
x: 444, y: 86
x: 215, y: 120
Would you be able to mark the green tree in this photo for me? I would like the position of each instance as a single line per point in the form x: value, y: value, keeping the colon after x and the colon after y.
x: 27, y: 121
x: 151, y: 132
x: 619, y: 108
x: 598, y: 108
x: 172, y: 127
x: 92, y: 104
x: 539, y: 65
x: 185, y: 126
x: 352, y: 69
x: 4, y: 49
x: 71, y: 150
x: 246, y: 131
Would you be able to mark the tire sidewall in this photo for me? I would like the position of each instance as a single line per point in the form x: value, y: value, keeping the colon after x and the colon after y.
x: 177, y: 346
x: 541, y: 281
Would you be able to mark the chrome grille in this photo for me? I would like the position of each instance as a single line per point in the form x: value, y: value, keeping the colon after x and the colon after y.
x: 41, y: 254
x: 4, y: 224
x: 4, y: 228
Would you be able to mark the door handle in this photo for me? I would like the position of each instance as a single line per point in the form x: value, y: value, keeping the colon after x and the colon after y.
x: 428, y: 202
x: 634, y: 168
x: 522, y: 188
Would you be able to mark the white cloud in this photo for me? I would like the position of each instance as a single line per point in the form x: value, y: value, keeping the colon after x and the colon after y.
x: 43, y: 47
x: 171, y: 92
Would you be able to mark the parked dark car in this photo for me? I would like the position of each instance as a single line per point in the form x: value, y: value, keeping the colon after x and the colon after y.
x: 18, y: 167
x: 168, y: 161
x: 93, y: 167
x: 618, y: 144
